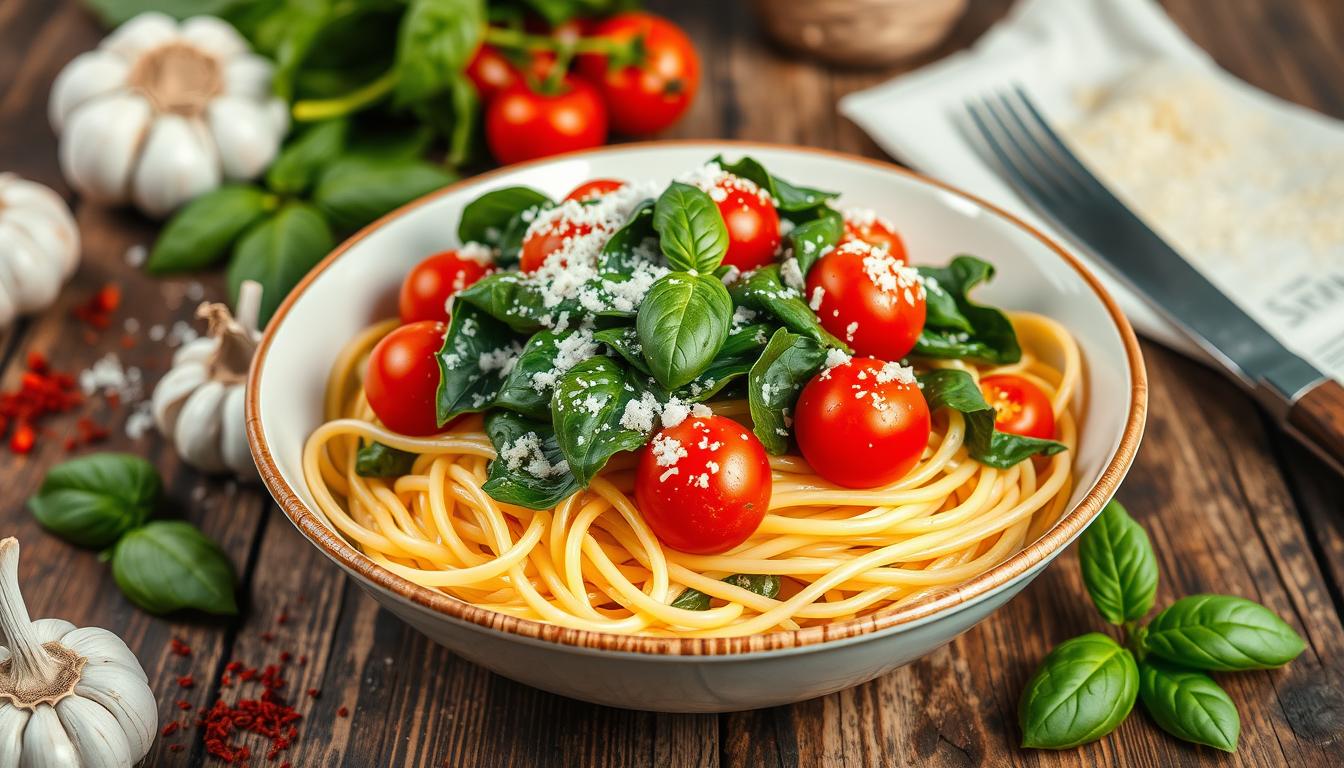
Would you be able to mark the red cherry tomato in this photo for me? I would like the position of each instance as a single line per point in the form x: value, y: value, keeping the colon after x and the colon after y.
x: 753, y: 223
x: 491, y: 72
x: 521, y: 124
x: 543, y: 240
x: 591, y: 190
x: 874, y: 230
x: 704, y: 485
x: 868, y: 298
x: 1019, y: 406
x: 402, y: 380
x: 655, y: 92
x: 862, y: 424
x: 425, y: 292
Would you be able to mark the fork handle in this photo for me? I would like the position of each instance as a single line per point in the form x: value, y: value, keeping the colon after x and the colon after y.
x: 1319, y: 416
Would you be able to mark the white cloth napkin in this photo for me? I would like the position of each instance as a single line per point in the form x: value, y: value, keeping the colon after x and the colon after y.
x: 1060, y: 50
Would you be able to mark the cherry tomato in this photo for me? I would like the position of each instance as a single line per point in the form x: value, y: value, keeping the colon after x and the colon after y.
x: 868, y: 298
x: 402, y: 380
x: 1019, y: 406
x: 753, y: 223
x: 704, y: 485
x: 491, y: 72
x: 425, y: 292
x: 591, y: 190
x: 521, y: 124
x: 541, y: 241
x: 654, y: 92
x: 875, y: 231
x: 862, y: 424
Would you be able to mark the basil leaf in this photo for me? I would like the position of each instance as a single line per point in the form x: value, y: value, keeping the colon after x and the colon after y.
x: 813, y: 234
x: 297, y: 166
x: 277, y: 253
x: 763, y: 291
x: 530, y: 470
x: 682, y: 324
x: 1222, y: 633
x: 955, y: 327
x: 947, y: 388
x: 113, y: 13
x: 354, y: 191
x: 378, y: 460
x: 168, y: 565
x: 1083, y: 690
x: 690, y: 228
x: 547, y: 355
x: 788, y: 198
x: 302, y: 25
x: 92, y: 500
x: 488, y: 217
x: 735, y: 358
x: 1119, y: 567
x: 200, y: 234
x: 1189, y: 705
x: 437, y: 38
x: 635, y: 243
x: 625, y: 342
x: 788, y: 362
x: 588, y: 412
x: 694, y: 600
x: 472, y: 362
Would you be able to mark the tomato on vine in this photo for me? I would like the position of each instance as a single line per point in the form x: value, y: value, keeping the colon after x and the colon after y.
x: 523, y: 124
x: 652, y: 91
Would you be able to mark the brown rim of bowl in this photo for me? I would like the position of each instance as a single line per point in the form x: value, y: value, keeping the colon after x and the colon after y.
x: 1058, y: 536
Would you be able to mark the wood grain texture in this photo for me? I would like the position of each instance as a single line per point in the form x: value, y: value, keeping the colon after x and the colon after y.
x: 1232, y: 505
x: 1319, y: 416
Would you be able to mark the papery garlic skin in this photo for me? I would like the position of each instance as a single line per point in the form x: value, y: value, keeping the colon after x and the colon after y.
x: 162, y: 112
x: 39, y: 247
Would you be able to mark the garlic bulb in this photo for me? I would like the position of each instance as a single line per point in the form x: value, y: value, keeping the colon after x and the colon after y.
x: 69, y: 698
x: 39, y: 246
x: 160, y: 112
x: 198, y: 405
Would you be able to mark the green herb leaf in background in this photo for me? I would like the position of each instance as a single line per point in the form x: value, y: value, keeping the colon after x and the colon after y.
x: 949, y: 388
x: 788, y: 362
x: 690, y: 228
x: 278, y: 252
x: 200, y: 234
x: 485, y: 219
x: 690, y: 599
x: 301, y: 161
x: 956, y: 327
x: 530, y: 468
x: 93, y: 500
x: 587, y: 411
x: 436, y: 40
x: 1119, y: 567
x: 353, y: 191
x: 1082, y: 691
x: 1189, y: 705
x: 682, y: 324
x: 378, y: 460
x: 168, y: 565
x: 1222, y: 633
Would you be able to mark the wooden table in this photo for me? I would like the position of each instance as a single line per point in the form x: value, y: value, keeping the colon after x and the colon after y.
x: 1231, y: 504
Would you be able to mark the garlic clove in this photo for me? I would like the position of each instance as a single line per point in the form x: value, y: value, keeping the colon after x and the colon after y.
x: 96, y: 734
x: 245, y: 134
x: 198, y: 350
x: 249, y: 76
x: 127, y: 698
x: 49, y: 243
x: 12, y: 722
x: 148, y: 30
x: 215, y: 36
x: 9, y: 307
x: 233, y: 437
x: 101, y: 143
x: 172, y: 391
x: 178, y: 163
x: 24, y: 199
x: 87, y: 76
x: 196, y: 434
x: 34, y: 285
x: 45, y: 743
x: 52, y: 630
x: 101, y: 648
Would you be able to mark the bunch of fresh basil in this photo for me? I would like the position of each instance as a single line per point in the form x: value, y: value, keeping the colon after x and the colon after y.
x: 104, y: 501
x: 1087, y: 686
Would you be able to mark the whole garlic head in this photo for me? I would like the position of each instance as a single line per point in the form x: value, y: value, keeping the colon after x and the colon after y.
x: 75, y: 698
x: 39, y: 246
x: 161, y: 112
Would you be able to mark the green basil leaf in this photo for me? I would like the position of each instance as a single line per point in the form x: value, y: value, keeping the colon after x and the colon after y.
x: 1189, y: 705
x: 682, y: 324
x: 954, y: 326
x: 948, y: 388
x: 813, y: 234
x: 303, y: 23
x: 112, y: 13
x: 788, y: 198
x: 201, y: 232
x: 488, y: 217
x: 1222, y: 633
x: 92, y: 500
x: 635, y: 243
x: 355, y: 191
x: 694, y: 600
x: 436, y: 40
x: 624, y: 341
x: 588, y: 411
x: 546, y: 357
x: 297, y: 166
x: 378, y: 460
x: 167, y: 565
x: 530, y: 470
x: 735, y: 358
x: 472, y: 362
x: 788, y: 362
x: 1083, y: 690
x: 278, y: 252
x: 1119, y: 567
x: 763, y: 291
x: 690, y: 228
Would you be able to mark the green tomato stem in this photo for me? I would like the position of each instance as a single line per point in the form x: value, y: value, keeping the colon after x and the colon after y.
x: 518, y: 40
x: 314, y: 110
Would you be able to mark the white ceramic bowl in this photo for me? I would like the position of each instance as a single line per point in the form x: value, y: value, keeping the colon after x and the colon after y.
x: 357, y: 284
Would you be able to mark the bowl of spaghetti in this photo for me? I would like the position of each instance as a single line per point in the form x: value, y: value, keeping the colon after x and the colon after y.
x: 695, y: 426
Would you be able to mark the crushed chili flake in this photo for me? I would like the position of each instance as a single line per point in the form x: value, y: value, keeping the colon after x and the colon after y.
x: 97, y: 311
x: 285, y: 656
x: 179, y: 648
x: 174, y: 747
x: 41, y: 392
x: 313, y: 692
x: 184, y: 705
x: 343, y: 712
x: 170, y: 728
x: 186, y: 681
x: 267, y: 637
x: 303, y: 660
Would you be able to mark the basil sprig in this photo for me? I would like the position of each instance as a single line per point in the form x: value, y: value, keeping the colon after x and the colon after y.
x: 766, y: 585
x: 682, y: 325
x: 169, y: 565
x: 956, y: 327
x: 690, y: 228
x: 1086, y: 687
x: 93, y: 500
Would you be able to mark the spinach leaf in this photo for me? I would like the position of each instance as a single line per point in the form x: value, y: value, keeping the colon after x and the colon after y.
x: 167, y: 565
x: 530, y: 469
x: 588, y: 411
x: 278, y: 252
x: 814, y: 232
x: 378, y: 460
x: 527, y: 388
x: 739, y: 352
x: 92, y: 500
x: 471, y: 362
x: 1222, y: 633
x: 954, y: 389
x: 634, y: 243
x: 437, y: 38
x: 682, y: 324
x: 955, y: 327
x: 1119, y: 567
x: 788, y: 198
x: 1083, y: 690
x: 512, y: 299
x: 354, y: 191
x: 625, y: 342
x: 489, y: 217
x: 1189, y: 705
x: 297, y: 166
x: 763, y: 291
x: 788, y: 362
x: 200, y: 234
x: 690, y: 228
x: 694, y: 600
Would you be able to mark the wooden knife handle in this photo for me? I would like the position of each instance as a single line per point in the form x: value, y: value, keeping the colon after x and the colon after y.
x: 1319, y: 415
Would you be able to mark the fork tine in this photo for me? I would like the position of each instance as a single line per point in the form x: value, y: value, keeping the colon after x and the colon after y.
x: 1019, y: 171
x: 1069, y: 162
x: 1042, y: 158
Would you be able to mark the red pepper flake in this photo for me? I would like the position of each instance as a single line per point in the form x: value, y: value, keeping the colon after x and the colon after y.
x: 269, y: 717
x: 342, y: 712
x: 97, y: 311
x: 285, y: 656
x: 248, y: 674
x: 179, y: 648
x: 170, y: 728
x: 313, y: 692
x: 175, y: 747
x: 267, y: 637
x: 184, y: 705
x: 303, y: 660
x: 283, y: 618
x: 234, y: 666
x: 23, y: 439
x: 186, y: 681
x: 41, y: 392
